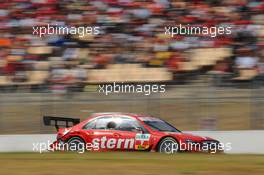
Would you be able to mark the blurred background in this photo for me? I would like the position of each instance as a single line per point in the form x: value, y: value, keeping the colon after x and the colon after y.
x: 212, y: 83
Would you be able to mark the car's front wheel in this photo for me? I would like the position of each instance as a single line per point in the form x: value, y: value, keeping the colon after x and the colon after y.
x: 168, y: 145
x: 76, y: 144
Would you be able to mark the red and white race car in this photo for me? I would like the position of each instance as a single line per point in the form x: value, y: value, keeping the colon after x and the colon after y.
x: 126, y: 132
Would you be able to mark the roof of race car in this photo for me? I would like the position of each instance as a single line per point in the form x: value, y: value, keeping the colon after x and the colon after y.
x: 112, y: 113
x: 140, y: 116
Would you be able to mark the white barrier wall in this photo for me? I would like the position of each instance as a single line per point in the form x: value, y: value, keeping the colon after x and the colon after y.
x: 241, y: 141
x: 23, y: 143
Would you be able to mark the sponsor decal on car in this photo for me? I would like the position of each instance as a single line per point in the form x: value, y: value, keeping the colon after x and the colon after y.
x: 142, y: 137
x: 113, y: 143
x: 142, y: 141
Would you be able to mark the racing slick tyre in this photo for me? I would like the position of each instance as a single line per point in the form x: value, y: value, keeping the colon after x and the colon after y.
x: 168, y: 145
x: 76, y: 144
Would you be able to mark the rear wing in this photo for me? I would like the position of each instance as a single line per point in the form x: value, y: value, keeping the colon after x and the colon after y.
x: 60, y: 121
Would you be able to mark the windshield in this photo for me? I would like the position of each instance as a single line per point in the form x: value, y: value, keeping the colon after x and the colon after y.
x: 159, y: 125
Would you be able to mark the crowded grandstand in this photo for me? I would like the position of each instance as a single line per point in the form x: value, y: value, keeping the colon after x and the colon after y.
x: 132, y: 45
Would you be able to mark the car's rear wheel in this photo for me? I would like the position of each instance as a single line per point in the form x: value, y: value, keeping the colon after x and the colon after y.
x: 76, y: 144
x: 168, y: 145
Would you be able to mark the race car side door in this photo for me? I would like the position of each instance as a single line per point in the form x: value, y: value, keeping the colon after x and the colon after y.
x: 131, y: 135
x: 98, y: 135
